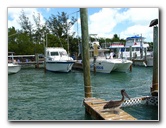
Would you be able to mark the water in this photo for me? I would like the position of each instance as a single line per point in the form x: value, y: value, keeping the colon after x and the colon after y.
x: 34, y: 95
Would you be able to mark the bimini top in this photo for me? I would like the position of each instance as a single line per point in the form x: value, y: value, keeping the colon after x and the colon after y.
x: 135, y: 37
x: 55, y: 49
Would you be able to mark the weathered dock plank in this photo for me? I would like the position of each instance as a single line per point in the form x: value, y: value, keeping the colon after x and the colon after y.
x: 94, y: 107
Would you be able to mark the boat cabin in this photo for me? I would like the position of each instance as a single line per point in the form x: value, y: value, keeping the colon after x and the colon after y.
x: 56, y: 53
x: 137, y: 44
x: 116, y: 48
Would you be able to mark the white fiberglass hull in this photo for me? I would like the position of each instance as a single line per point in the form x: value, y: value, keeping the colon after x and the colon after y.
x: 59, y: 66
x: 13, y: 68
x: 121, y: 65
x: 109, y: 65
x: 102, y: 66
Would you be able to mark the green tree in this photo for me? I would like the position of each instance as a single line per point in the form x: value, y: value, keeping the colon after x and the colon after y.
x: 54, y: 41
x: 115, y: 38
x: 25, y: 24
x: 31, y: 38
x: 12, y: 40
x: 60, y: 25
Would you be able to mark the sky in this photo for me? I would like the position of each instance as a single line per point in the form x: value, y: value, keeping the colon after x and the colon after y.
x: 105, y: 22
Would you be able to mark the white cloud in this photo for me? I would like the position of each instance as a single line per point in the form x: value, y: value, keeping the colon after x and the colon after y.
x: 142, y: 15
x: 137, y: 29
x: 102, y: 22
x: 141, y: 18
x: 107, y: 22
x: 14, y: 13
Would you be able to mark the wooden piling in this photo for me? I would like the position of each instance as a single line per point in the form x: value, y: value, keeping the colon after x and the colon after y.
x: 131, y: 58
x: 94, y: 65
x: 141, y: 49
x: 154, y: 89
x: 145, y: 50
x: 130, y: 52
x: 44, y: 59
x: 131, y: 67
x: 85, y: 48
x: 95, y: 54
x: 36, y: 60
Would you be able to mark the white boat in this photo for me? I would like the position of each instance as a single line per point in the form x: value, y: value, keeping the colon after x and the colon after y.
x: 139, y: 50
x: 137, y: 43
x: 57, y: 60
x: 117, y: 48
x: 104, y: 64
x: 12, y: 66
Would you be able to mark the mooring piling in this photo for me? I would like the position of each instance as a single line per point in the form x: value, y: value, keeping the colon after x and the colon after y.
x: 154, y: 88
x: 85, y: 48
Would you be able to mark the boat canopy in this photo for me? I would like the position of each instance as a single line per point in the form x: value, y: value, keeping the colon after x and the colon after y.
x: 135, y: 37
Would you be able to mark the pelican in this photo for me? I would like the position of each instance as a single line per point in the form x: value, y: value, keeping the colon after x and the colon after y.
x: 116, y: 104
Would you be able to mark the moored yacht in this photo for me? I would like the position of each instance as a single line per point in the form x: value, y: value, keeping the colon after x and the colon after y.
x: 57, y: 60
x: 139, y: 51
x: 136, y: 49
x: 105, y: 62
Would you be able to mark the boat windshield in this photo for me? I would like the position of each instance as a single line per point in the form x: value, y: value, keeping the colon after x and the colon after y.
x: 63, y: 53
x: 54, y: 54
x: 127, y: 49
x: 137, y: 49
x: 134, y: 40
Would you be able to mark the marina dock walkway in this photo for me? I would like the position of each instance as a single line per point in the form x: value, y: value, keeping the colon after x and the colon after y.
x: 94, y: 107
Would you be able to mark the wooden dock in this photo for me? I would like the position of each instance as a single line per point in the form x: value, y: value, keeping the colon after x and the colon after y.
x: 31, y: 64
x: 94, y: 107
x: 78, y: 65
x: 27, y: 61
x: 139, y: 62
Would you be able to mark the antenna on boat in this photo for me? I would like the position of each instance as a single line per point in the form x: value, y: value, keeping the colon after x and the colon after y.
x: 95, y: 35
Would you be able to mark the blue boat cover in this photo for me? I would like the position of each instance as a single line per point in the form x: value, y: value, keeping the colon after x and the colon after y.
x: 134, y: 37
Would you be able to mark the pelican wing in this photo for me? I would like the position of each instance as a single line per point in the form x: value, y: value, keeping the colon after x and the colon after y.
x: 112, y: 104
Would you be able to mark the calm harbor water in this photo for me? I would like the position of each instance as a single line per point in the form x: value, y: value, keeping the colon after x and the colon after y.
x: 35, y: 95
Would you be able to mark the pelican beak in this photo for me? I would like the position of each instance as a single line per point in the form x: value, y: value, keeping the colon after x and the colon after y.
x: 126, y: 95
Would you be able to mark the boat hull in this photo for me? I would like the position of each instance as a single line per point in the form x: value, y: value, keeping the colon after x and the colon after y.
x: 56, y: 66
x: 102, y: 66
x: 13, y: 68
x: 109, y: 65
x: 122, y: 65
